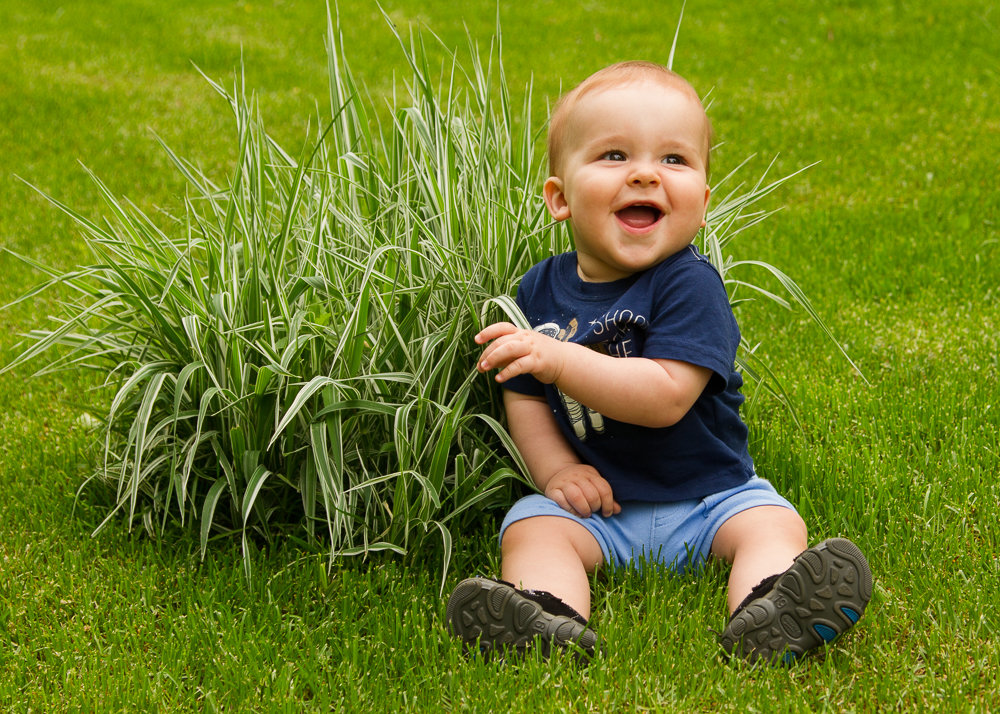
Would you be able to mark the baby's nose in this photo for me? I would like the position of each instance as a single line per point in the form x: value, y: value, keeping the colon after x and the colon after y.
x: 644, y: 176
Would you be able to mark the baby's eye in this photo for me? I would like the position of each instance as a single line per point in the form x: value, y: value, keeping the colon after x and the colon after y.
x: 674, y: 159
x: 613, y: 156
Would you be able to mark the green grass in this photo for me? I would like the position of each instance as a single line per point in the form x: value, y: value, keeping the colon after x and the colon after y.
x: 893, y: 236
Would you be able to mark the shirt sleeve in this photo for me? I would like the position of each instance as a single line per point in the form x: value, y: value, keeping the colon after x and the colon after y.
x: 693, y: 321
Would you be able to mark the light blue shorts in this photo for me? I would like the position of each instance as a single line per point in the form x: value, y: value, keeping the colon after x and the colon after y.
x: 676, y: 534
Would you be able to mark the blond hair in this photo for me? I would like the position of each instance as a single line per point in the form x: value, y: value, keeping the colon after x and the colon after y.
x: 616, y: 74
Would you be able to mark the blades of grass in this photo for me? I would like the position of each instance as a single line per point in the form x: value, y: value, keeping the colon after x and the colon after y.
x: 359, y: 327
x: 301, y: 398
x: 204, y: 404
x: 76, y: 279
x: 142, y: 373
x: 356, y: 328
x: 180, y: 385
x: 483, y: 490
x: 44, y: 340
x: 442, y: 439
x: 677, y: 34
x: 112, y: 513
x: 254, y: 485
x: 291, y: 354
x: 757, y: 369
x: 401, y: 434
x: 800, y: 297
x: 508, y: 443
x: 208, y: 512
x: 133, y: 294
x: 196, y: 178
x: 89, y: 227
x: 447, y: 548
x: 328, y: 483
x: 137, y: 436
x: 307, y: 490
x: 773, y: 297
x: 366, y: 405
x: 225, y: 463
x: 370, y: 548
x: 510, y: 309
x: 428, y: 500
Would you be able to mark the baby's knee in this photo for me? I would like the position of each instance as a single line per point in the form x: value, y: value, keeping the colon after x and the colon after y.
x: 773, y: 526
x: 552, y: 534
x: 790, y: 523
x: 533, y: 532
x: 779, y: 523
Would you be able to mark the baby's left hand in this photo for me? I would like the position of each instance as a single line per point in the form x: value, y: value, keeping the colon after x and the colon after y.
x: 516, y: 351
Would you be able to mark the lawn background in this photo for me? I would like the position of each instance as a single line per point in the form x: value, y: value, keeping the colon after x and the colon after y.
x: 894, y: 236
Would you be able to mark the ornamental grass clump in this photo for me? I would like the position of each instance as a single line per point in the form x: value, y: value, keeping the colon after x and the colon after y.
x: 291, y: 355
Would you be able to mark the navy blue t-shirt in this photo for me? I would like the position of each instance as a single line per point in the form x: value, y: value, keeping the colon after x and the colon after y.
x: 676, y: 310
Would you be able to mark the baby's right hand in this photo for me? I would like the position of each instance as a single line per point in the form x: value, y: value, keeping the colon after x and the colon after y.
x: 515, y: 351
x: 581, y: 490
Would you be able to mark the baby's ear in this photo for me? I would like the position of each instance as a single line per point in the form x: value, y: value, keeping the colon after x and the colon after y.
x: 555, y: 199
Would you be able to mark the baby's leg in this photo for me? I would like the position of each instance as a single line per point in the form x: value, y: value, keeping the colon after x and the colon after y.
x: 785, y: 600
x: 547, y: 559
x: 554, y: 554
x: 758, y: 542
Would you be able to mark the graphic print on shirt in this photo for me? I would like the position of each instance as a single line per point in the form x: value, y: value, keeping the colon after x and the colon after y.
x: 617, y: 330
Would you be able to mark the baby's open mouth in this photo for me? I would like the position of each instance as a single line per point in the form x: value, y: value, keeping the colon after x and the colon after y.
x: 639, y: 216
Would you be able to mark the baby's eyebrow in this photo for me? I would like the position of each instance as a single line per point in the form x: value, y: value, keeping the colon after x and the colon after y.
x: 680, y: 147
x: 608, y: 142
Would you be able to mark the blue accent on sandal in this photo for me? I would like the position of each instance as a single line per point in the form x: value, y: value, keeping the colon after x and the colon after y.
x: 827, y: 633
x: 851, y: 614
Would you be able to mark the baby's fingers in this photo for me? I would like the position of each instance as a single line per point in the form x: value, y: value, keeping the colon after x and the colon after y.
x: 511, y: 361
x: 578, y: 498
x: 606, y: 502
x: 561, y: 497
x: 491, y: 332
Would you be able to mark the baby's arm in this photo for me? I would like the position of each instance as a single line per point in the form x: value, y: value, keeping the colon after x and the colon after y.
x: 553, y: 465
x: 646, y: 392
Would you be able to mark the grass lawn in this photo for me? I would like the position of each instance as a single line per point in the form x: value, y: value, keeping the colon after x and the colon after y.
x: 893, y: 235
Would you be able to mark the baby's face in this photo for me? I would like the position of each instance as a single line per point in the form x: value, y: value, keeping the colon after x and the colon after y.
x: 632, y: 179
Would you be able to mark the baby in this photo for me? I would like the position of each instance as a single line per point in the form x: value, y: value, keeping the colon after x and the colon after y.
x: 624, y: 401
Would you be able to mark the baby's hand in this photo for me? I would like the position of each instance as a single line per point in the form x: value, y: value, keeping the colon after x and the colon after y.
x: 581, y: 490
x: 515, y: 351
